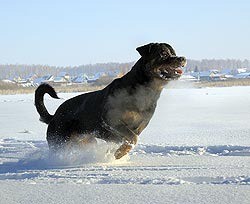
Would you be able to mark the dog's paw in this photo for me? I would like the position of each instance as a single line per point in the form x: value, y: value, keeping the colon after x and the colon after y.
x: 122, y: 151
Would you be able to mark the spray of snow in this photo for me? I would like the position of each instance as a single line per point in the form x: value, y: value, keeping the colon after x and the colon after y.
x: 99, y: 153
x: 35, y: 155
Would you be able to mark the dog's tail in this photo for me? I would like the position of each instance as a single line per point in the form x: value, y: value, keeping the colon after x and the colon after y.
x: 40, y: 107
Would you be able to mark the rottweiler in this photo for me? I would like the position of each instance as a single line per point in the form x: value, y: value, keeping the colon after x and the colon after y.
x: 119, y: 112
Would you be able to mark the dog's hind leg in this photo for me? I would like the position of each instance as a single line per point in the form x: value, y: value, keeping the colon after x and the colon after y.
x: 56, y: 137
x: 56, y: 141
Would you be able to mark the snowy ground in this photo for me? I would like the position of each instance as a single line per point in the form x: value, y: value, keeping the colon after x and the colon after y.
x: 196, y: 149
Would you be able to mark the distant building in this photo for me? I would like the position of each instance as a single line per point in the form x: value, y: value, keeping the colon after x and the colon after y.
x: 31, y: 77
x: 24, y: 82
x: 227, y: 71
x: 8, y: 81
x: 211, y: 75
x: 81, y: 79
x: 94, y: 78
x: 188, y: 77
x: 241, y: 70
x: 44, y: 79
x: 244, y: 75
x: 60, y: 81
x: 65, y: 75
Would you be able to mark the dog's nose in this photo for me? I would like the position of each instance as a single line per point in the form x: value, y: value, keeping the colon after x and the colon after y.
x: 183, y: 61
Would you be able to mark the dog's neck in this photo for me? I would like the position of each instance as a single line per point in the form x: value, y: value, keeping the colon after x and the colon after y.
x: 136, y: 88
x: 137, y: 76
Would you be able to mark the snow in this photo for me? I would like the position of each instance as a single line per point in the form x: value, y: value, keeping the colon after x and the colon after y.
x: 196, y: 149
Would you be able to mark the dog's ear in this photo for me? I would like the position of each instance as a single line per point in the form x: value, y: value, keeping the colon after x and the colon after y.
x: 145, y: 50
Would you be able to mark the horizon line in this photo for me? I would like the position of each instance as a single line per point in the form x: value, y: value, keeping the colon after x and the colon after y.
x: 96, y: 63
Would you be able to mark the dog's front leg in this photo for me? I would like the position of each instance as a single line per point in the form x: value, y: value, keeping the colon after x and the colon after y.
x: 126, y: 147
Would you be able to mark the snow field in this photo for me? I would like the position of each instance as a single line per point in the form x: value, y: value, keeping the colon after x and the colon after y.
x: 196, y: 149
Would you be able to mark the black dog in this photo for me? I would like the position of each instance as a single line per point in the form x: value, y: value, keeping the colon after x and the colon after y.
x: 119, y: 112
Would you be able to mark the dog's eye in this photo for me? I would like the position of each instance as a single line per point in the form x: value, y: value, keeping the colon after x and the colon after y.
x: 164, y: 54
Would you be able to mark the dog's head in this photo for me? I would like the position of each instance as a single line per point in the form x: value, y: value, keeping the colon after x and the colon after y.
x: 161, y: 61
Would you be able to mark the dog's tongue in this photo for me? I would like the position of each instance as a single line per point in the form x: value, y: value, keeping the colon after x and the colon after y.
x: 179, y: 70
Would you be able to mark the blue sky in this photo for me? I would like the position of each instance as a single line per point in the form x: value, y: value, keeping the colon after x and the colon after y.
x: 82, y: 32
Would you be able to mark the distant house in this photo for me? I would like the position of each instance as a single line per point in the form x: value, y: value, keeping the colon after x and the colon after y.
x: 187, y: 77
x: 8, y: 81
x: 16, y: 79
x: 228, y: 76
x: 211, y: 75
x: 65, y: 75
x: 227, y: 71
x: 195, y: 74
x: 44, y: 79
x: 244, y: 75
x: 60, y: 80
x: 24, y: 82
x: 94, y: 78
x: 241, y: 70
x: 81, y: 79
x: 31, y: 77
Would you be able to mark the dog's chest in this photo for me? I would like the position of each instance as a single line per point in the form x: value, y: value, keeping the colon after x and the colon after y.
x: 134, y: 110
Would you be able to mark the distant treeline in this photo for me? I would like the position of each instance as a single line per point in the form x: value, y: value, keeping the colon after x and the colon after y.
x: 219, y: 64
x: 10, y: 71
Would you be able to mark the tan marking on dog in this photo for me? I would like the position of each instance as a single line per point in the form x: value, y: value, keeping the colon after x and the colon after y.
x: 123, y: 150
x: 131, y: 116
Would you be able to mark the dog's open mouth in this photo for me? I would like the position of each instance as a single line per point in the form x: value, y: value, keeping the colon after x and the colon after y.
x: 170, y: 73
